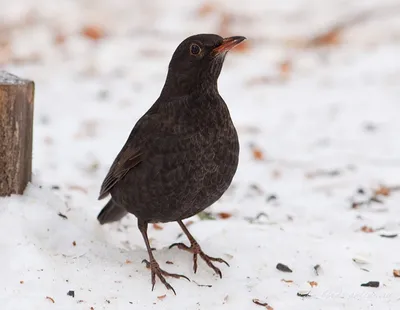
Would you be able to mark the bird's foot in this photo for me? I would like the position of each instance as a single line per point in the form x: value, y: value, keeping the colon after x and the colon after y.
x: 157, y: 271
x: 195, y: 249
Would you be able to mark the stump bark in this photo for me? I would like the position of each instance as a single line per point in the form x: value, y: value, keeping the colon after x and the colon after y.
x: 16, y: 128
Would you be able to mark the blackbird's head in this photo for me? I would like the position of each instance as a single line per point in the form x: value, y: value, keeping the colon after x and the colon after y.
x: 197, y: 63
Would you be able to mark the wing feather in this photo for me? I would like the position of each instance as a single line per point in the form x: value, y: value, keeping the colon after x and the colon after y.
x: 126, y: 160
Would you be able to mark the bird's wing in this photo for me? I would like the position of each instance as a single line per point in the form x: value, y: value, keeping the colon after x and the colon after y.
x: 154, y: 130
x: 131, y: 154
x: 127, y: 159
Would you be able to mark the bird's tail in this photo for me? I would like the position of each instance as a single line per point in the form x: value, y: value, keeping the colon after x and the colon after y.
x: 111, y: 213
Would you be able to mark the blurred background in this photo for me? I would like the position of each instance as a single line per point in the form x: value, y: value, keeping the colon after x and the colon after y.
x: 314, y: 88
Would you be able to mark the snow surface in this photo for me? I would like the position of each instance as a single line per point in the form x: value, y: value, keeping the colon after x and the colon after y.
x: 326, y: 129
x: 9, y: 79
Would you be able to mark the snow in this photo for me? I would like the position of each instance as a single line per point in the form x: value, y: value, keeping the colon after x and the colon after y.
x: 326, y: 129
x: 9, y: 79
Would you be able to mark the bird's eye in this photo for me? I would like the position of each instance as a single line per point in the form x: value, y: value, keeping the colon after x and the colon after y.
x: 194, y: 49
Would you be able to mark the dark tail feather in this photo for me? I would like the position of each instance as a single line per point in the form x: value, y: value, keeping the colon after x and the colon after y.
x: 111, y: 213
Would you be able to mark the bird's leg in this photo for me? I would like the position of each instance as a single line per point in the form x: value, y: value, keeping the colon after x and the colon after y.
x: 153, y: 265
x: 196, y: 250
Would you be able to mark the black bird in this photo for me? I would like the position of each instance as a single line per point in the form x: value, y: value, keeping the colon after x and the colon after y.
x: 182, y: 154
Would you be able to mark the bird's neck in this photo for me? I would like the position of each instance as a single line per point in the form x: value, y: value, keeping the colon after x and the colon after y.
x: 180, y: 86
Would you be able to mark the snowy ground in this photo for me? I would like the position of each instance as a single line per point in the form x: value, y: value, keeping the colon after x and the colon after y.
x: 319, y: 133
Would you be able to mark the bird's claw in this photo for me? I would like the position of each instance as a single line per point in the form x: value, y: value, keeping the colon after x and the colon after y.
x: 147, y: 263
x: 195, y: 249
x: 157, y: 271
x: 180, y: 246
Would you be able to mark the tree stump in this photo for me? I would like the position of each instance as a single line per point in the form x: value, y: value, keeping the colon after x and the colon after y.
x: 16, y: 127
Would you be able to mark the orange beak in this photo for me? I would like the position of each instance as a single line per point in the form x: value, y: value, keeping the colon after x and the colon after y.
x: 228, y: 44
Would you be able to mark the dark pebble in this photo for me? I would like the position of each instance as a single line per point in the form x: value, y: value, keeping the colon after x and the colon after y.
x: 62, y: 215
x: 388, y: 235
x: 283, y: 268
x: 317, y: 269
x: 361, y: 191
x: 371, y: 284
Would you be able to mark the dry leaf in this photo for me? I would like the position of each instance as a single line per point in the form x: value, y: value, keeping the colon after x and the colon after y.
x: 51, y: 299
x: 382, y: 190
x: 396, y: 273
x: 367, y: 229
x: 330, y: 37
x: 59, y: 39
x: 287, y: 281
x: 257, y: 154
x: 73, y: 243
x: 157, y: 226
x: 21, y: 282
x: 205, y: 9
x: 93, y: 32
x: 161, y: 297
x: 91, y: 308
x: 224, y: 215
x: 285, y: 68
x: 169, y: 262
x: 313, y: 283
x: 128, y: 261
